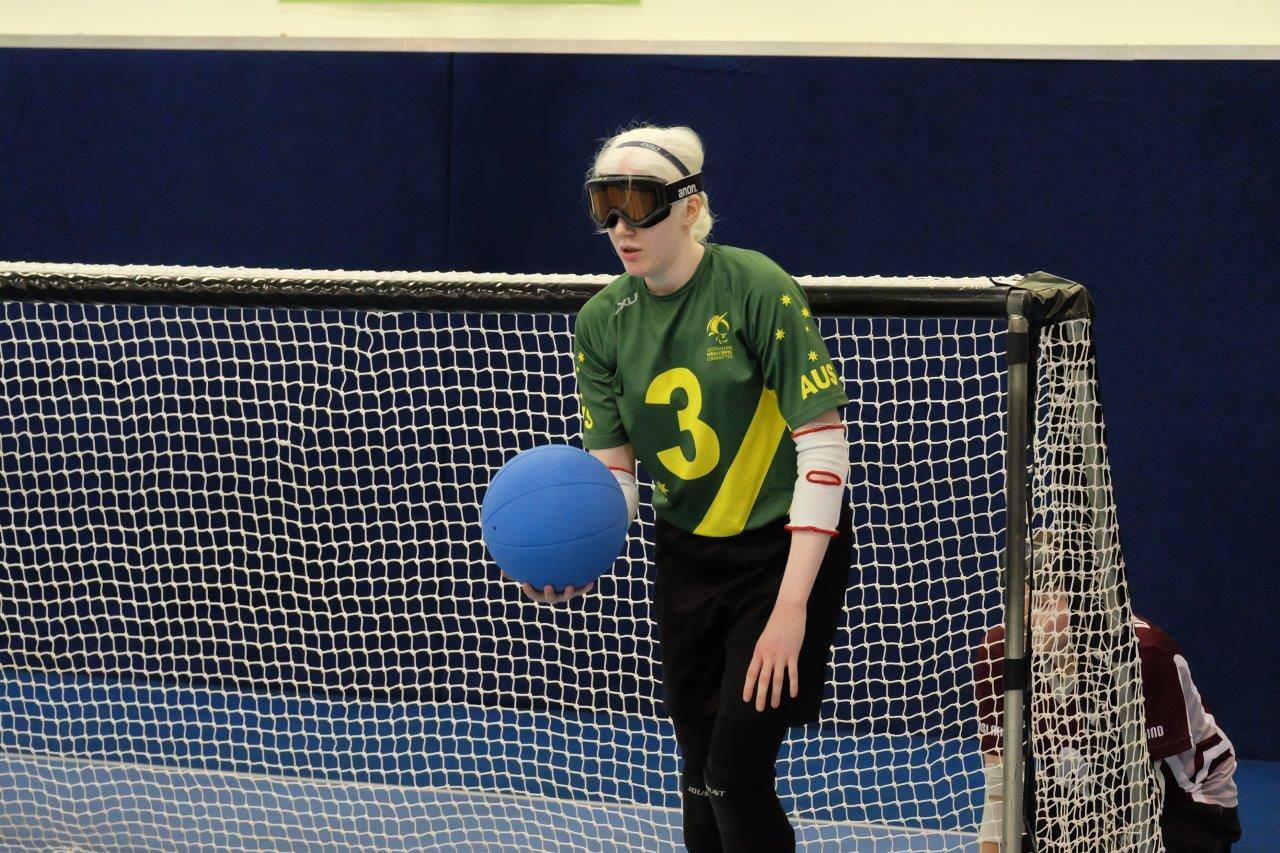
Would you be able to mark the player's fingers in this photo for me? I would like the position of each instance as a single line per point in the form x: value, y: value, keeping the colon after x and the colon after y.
x: 779, y: 671
x: 530, y: 591
x: 549, y: 594
x: 762, y: 686
x: 568, y: 594
x: 793, y: 675
x: 753, y: 671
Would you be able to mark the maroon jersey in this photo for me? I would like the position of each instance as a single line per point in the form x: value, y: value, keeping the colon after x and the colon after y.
x: 988, y: 684
x: 1195, y: 757
x: 1054, y: 709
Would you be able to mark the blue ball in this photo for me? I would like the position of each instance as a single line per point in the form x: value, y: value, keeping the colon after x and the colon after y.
x: 554, y: 515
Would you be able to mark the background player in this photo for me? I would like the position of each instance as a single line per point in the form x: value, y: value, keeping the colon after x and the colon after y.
x: 1194, y: 757
x: 704, y: 362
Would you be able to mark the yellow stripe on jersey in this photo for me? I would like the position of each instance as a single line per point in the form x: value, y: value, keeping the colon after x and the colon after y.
x: 728, y: 512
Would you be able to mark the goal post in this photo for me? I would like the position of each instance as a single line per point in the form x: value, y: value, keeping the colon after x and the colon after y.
x: 245, y: 603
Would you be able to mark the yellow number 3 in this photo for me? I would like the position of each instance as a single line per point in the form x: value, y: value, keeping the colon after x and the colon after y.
x: 706, y: 446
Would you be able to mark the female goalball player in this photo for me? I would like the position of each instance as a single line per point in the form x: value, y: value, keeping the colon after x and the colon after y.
x: 703, y: 362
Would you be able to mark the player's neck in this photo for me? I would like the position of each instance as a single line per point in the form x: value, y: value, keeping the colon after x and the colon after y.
x: 664, y: 282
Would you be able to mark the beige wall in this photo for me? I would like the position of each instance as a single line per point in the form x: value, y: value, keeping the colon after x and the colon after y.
x: 977, y: 27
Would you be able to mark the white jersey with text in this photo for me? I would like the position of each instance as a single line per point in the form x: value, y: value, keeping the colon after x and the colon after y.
x: 1196, y: 759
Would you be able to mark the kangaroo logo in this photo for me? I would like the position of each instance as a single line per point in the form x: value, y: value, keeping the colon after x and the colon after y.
x: 718, y: 328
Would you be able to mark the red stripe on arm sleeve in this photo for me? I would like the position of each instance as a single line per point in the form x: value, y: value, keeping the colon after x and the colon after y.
x: 812, y: 529
x: 801, y: 432
x: 824, y: 478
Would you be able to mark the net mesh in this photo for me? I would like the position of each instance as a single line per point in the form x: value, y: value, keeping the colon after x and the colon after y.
x: 1088, y: 734
x: 246, y: 605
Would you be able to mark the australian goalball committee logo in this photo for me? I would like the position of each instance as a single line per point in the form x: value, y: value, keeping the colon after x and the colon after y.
x: 718, y: 328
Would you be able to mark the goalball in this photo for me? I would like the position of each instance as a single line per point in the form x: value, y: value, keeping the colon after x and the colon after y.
x: 554, y: 515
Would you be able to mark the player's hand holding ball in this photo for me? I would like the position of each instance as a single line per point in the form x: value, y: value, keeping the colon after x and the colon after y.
x: 554, y: 519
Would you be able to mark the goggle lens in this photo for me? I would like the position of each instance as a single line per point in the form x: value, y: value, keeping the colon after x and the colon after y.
x: 634, y: 201
x: 640, y: 201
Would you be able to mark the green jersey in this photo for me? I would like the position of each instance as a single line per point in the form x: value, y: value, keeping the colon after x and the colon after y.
x: 704, y: 383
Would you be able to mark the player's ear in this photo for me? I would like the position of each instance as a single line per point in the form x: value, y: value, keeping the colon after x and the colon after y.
x: 692, y: 207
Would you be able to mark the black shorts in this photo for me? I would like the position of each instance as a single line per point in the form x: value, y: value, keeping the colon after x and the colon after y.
x: 713, y: 597
x: 1199, y: 827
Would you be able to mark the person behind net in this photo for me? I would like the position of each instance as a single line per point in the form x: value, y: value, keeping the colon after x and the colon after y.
x: 1192, y: 754
x: 704, y: 362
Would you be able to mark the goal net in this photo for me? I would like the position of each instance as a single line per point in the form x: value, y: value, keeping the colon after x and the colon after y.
x: 246, y: 605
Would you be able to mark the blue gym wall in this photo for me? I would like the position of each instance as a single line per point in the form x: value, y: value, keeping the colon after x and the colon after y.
x: 1155, y: 183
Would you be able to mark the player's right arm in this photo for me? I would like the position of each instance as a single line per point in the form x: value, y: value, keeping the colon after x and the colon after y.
x: 622, y: 456
x: 988, y: 684
x: 992, y: 803
x: 595, y: 369
x: 603, y: 435
x: 621, y: 461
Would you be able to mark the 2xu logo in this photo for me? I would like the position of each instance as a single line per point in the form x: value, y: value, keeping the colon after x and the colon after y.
x: 623, y: 303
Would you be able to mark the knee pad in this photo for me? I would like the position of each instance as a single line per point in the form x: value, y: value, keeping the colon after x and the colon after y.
x: 700, y: 832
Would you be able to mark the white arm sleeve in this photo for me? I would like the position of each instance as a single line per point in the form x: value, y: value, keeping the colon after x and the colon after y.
x: 822, y: 466
x: 992, y: 825
x: 630, y: 490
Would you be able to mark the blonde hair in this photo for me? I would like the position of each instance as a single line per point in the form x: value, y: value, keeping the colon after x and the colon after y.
x: 684, y: 145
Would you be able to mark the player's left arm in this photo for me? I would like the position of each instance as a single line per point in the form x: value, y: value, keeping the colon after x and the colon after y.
x: 822, y: 468
x: 782, y: 333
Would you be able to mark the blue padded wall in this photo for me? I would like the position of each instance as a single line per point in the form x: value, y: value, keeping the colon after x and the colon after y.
x: 282, y: 159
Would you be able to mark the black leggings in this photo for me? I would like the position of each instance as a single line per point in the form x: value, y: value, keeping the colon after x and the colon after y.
x: 727, y: 785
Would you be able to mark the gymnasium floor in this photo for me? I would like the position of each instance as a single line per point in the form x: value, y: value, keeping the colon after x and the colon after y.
x: 186, y: 773
x: 229, y: 810
x: 185, y: 768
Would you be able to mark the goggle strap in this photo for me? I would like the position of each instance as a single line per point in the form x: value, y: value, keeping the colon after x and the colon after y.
x: 657, y: 149
x: 685, y: 187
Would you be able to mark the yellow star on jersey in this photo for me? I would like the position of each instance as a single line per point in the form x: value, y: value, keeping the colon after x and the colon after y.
x: 786, y: 300
x: 779, y: 334
x: 662, y: 487
x: 581, y: 357
x: 813, y: 356
x: 804, y: 312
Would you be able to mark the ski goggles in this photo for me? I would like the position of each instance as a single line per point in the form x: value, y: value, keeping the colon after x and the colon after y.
x: 637, y: 200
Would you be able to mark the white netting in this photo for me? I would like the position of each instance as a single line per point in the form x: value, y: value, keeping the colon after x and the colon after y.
x: 246, y: 606
x: 1089, y: 733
